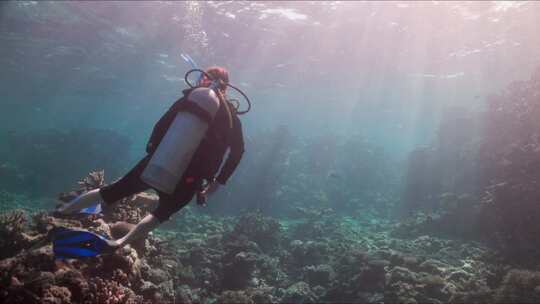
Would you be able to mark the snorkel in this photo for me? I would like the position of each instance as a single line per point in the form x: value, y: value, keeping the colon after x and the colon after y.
x: 214, y: 85
x: 194, y: 66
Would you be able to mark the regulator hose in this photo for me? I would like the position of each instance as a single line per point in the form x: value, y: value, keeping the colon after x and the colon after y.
x: 229, y: 85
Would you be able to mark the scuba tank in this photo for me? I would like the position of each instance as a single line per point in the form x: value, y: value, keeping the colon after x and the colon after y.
x: 174, y: 152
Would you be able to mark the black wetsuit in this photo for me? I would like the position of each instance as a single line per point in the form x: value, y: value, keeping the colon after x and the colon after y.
x: 204, y: 165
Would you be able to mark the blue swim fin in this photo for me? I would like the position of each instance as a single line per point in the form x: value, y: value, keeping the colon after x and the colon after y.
x: 95, y: 209
x: 75, y: 244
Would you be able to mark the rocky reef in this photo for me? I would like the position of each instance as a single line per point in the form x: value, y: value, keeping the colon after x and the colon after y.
x: 320, y: 257
x: 508, y: 162
x: 478, y: 179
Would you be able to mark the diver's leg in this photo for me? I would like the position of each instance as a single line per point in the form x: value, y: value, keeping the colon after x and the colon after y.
x: 82, y: 201
x: 147, y: 224
x: 168, y: 205
x: 128, y: 185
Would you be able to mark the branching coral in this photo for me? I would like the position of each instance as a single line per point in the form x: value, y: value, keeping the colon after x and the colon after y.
x: 95, y: 179
x: 12, y: 238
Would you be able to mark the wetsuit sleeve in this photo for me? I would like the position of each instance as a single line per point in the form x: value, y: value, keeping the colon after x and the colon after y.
x: 237, y: 150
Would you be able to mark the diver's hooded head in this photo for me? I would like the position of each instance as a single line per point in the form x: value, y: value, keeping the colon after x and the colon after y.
x: 217, y: 73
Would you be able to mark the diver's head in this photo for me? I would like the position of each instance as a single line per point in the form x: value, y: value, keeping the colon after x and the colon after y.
x: 219, y: 74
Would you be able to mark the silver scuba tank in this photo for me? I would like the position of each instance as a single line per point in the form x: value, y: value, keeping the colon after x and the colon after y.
x: 177, y: 147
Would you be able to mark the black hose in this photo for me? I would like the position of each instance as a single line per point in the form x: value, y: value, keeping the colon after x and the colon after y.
x: 191, y: 71
x: 245, y: 97
x: 229, y: 85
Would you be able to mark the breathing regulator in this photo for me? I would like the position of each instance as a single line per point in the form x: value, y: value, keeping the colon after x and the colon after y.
x: 215, y: 83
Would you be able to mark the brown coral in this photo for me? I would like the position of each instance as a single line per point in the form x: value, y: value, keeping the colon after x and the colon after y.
x: 109, y: 292
x: 56, y: 295
x: 519, y: 286
x: 12, y: 235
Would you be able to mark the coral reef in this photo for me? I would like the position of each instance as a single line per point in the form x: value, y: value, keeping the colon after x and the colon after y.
x: 481, y: 185
x: 321, y: 256
x: 519, y: 286
x: 448, y: 165
x: 262, y: 230
x: 508, y: 162
x: 33, y: 276
x: 232, y: 268
x: 13, y: 233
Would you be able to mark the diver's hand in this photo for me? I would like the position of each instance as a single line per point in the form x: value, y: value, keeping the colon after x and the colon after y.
x: 212, y: 187
x: 202, y: 196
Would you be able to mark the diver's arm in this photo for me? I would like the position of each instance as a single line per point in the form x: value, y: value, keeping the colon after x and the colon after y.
x: 235, y: 155
x: 233, y: 159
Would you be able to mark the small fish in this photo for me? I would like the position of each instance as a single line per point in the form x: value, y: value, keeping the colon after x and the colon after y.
x: 334, y: 174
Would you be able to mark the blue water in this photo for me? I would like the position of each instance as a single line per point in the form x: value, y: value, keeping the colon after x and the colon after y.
x: 391, y: 154
x: 383, y: 72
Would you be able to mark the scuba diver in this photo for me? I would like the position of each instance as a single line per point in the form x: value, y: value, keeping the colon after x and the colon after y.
x: 184, y: 154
